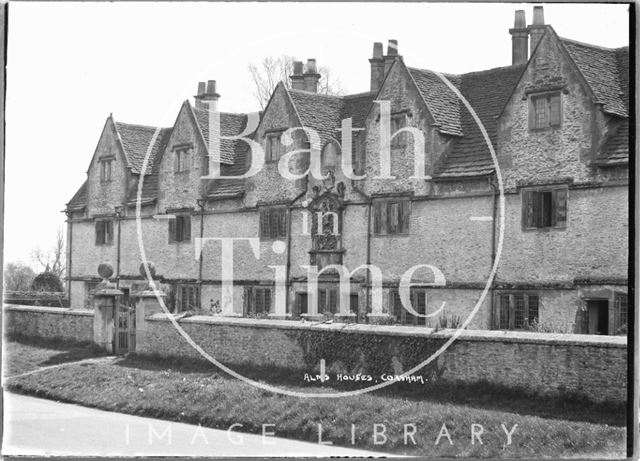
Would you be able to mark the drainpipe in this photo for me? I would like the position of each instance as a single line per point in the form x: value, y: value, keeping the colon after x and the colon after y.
x: 369, y: 206
x: 201, y: 203
x: 119, y: 210
x: 69, y: 250
x: 288, y: 268
x: 493, y: 242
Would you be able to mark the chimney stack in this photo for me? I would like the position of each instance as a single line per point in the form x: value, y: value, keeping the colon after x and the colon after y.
x: 377, y: 67
x: 207, y: 98
x: 311, y: 76
x: 537, y: 29
x: 392, y: 54
x: 297, y: 79
x: 519, y: 39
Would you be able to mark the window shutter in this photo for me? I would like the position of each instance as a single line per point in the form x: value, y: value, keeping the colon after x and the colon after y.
x: 186, y: 220
x: 393, y: 217
x: 560, y: 207
x: 109, y: 232
x: 554, y: 110
x: 404, y: 218
x: 172, y: 230
x: 99, y: 233
x: 528, y: 208
x: 264, y: 223
x: 377, y: 218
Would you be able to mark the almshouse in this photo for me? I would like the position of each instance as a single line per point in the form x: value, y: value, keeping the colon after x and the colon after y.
x: 557, y: 118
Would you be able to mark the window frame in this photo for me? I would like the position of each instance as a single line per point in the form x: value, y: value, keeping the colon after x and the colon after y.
x: 509, y: 324
x: 265, y: 294
x: 403, y: 317
x: 270, y: 137
x: 106, y: 169
x: 380, y: 222
x: 547, y: 97
x: 103, y: 232
x: 179, y: 230
x: 192, y: 290
x: 266, y: 227
x: 182, y: 159
x: 533, y: 206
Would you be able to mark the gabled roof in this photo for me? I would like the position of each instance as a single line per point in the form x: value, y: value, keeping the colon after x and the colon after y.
x: 487, y: 92
x: 606, y: 71
x: 136, y: 141
x: 79, y: 200
x: 615, y: 150
x: 231, y: 188
x: 324, y: 113
x: 230, y: 125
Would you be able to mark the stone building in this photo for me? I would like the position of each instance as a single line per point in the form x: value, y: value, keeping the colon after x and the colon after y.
x: 557, y: 119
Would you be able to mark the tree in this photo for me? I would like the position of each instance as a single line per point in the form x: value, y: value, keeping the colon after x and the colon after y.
x: 18, y: 277
x: 271, y: 71
x: 53, y: 260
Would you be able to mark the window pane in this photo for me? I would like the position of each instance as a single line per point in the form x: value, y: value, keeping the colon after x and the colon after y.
x: 533, y: 309
x: 518, y: 311
x: 554, y: 110
x: 540, y: 109
x: 504, y: 312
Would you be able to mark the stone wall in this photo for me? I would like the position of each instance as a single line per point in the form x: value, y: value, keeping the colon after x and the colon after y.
x: 48, y: 322
x: 590, y: 366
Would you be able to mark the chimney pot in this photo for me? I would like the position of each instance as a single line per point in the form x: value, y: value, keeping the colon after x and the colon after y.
x: 392, y: 48
x: 311, y: 67
x: 201, y: 88
x: 211, y: 87
x: 377, y: 50
x: 520, y: 21
x: 311, y: 76
x: 538, y: 16
x: 297, y: 79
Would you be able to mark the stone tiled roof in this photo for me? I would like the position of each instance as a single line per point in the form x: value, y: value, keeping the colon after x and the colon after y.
x: 487, y: 92
x: 79, y: 199
x: 230, y: 125
x: 443, y: 104
x: 324, y: 113
x: 615, y: 149
x: 606, y: 71
x: 230, y: 188
x: 136, y: 140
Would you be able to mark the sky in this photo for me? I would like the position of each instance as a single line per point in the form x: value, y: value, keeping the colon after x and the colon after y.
x: 69, y: 65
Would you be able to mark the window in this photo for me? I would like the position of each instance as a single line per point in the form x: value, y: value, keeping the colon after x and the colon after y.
x: 105, y: 170
x: 180, y: 229
x: 545, y: 111
x: 330, y: 159
x: 187, y: 298
x: 181, y: 160
x: 257, y: 301
x: 622, y: 314
x: 274, y: 148
x: 273, y: 223
x: 104, y: 232
x: 398, y: 121
x: 517, y: 311
x: 391, y: 216
x: 418, y: 302
x: 327, y: 300
x: 544, y: 208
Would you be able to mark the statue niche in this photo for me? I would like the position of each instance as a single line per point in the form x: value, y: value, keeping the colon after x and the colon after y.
x: 326, y: 231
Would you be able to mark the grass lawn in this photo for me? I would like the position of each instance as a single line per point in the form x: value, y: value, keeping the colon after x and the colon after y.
x: 194, y: 392
x: 22, y: 354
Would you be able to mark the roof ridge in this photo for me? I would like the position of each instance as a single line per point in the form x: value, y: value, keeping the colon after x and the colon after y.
x: 315, y: 94
x: 239, y: 114
x: 591, y: 45
x: 358, y: 95
x: 137, y: 125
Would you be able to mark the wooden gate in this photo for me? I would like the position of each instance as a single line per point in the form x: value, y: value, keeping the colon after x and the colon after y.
x: 125, y: 329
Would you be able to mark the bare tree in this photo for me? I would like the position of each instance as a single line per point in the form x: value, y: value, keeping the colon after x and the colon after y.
x: 271, y: 71
x: 54, y: 259
x: 18, y: 277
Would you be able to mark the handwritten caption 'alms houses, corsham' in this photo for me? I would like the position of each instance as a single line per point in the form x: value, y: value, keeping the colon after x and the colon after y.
x: 360, y: 377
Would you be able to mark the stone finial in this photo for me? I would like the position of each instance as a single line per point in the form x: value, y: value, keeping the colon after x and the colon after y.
x: 105, y: 270
x: 106, y: 288
x: 150, y: 266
